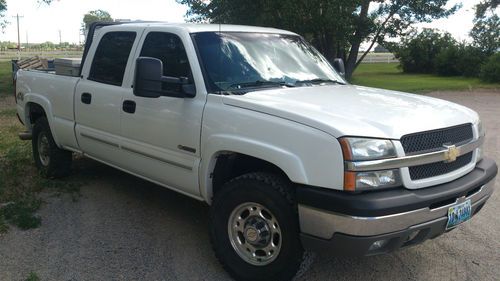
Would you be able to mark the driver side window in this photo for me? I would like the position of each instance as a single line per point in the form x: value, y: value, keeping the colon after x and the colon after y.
x: 169, y: 49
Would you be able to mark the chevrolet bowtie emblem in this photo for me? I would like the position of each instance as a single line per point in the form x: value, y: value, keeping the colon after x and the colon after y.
x: 451, y: 153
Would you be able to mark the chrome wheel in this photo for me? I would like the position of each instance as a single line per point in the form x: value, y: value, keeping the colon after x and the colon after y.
x: 43, y: 149
x: 254, y: 233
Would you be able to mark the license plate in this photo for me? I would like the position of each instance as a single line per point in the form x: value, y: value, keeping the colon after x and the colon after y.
x: 459, y: 213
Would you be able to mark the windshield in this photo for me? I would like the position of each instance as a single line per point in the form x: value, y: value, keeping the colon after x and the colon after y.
x: 233, y: 61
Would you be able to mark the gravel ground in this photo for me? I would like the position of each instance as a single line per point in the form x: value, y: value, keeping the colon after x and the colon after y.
x: 123, y: 228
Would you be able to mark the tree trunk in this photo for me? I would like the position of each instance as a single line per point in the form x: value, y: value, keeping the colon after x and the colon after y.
x: 375, y: 38
x: 350, y: 63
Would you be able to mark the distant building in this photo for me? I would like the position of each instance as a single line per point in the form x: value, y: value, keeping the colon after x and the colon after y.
x: 380, y: 49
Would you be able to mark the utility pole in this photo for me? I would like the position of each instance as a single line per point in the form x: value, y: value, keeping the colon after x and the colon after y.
x: 60, y: 40
x: 18, y: 33
x: 27, y: 41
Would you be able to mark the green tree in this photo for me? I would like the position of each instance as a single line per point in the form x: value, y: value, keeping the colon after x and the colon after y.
x: 486, y: 30
x: 93, y: 16
x: 486, y: 34
x: 335, y: 28
x: 48, y: 2
x: 3, y: 8
x: 47, y: 45
x: 418, y: 52
x: 485, y: 6
x: 490, y: 71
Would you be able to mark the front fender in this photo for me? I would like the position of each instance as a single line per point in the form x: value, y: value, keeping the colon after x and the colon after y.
x: 306, y: 155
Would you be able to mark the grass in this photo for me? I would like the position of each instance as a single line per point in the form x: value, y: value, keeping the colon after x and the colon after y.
x: 389, y: 76
x: 33, y: 277
x: 20, y: 182
x: 18, y: 179
x: 11, y: 112
x: 6, y: 87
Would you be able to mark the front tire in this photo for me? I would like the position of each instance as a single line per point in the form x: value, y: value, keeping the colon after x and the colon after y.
x: 254, y: 228
x: 51, y: 161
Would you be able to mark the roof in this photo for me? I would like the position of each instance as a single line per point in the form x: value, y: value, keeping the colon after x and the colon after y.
x: 204, y: 27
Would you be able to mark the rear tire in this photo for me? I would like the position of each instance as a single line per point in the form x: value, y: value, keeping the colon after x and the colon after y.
x: 254, y: 228
x: 51, y: 161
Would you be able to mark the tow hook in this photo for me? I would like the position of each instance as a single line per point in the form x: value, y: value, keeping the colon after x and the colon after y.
x: 25, y: 136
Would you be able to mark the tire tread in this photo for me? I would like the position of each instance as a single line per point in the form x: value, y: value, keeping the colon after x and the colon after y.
x: 278, y: 183
x: 60, y: 159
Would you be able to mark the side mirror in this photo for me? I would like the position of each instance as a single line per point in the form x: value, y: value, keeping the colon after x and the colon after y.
x: 148, y: 74
x: 149, y: 80
x: 338, y: 64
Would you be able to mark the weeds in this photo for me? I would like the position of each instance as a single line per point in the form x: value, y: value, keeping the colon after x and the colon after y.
x: 17, y: 191
x: 8, y: 112
x: 6, y: 78
x: 20, y: 213
x: 33, y: 277
x: 20, y: 182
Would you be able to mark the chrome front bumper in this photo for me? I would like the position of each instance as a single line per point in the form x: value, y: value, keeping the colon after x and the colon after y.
x: 324, y: 224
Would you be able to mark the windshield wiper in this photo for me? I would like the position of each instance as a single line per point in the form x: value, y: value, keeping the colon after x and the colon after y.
x: 259, y: 83
x: 319, y: 81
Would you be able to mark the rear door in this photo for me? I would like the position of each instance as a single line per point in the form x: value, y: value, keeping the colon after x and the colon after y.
x: 98, y: 97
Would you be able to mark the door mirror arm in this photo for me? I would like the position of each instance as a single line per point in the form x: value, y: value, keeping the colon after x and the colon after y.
x: 149, y: 80
x: 188, y: 89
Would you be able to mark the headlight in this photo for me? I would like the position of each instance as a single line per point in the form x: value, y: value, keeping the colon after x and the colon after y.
x: 480, y: 128
x: 357, y: 149
x: 365, y: 149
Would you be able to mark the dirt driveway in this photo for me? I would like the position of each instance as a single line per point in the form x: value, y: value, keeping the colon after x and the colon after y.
x: 123, y: 228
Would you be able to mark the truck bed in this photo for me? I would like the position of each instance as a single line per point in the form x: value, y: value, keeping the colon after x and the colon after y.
x: 57, y: 89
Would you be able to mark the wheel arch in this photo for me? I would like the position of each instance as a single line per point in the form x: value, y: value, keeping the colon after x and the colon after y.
x: 241, y: 156
x: 37, y: 106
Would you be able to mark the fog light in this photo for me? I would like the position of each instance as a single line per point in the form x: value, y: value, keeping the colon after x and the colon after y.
x: 412, y: 236
x: 377, y: 245
x: 371, y: 180
x: 480, y: 152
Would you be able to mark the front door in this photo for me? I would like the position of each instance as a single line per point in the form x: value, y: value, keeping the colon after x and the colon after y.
x: 161, y: 138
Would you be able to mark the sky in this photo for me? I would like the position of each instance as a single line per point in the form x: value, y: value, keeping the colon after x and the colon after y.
x: 42, y: 23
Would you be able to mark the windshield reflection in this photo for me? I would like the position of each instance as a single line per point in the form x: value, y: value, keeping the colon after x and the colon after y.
x: 237, y: 60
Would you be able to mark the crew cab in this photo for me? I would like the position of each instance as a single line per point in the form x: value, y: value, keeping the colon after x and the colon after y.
x: 259, y: 125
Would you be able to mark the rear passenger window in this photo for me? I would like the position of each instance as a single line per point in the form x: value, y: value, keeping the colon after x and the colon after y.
x: 110, y: 59
x: 169, y: 49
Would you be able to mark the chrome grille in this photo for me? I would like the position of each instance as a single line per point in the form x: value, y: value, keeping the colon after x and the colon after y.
x: 439, y: 168
x: 434, y: 140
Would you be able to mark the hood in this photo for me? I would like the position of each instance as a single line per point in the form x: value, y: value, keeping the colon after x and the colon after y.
x: 348, y: 110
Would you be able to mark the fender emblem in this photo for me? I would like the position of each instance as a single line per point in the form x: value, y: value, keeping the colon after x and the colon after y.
x: 451, y: 153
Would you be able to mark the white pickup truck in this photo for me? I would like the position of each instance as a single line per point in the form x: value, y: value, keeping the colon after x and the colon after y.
x: 257, y: 124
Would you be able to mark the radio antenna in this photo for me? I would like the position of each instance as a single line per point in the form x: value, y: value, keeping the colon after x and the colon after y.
x: 220, y: 52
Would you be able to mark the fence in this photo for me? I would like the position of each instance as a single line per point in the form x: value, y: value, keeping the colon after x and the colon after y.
x: 379, y: 58
x: 9, y: 55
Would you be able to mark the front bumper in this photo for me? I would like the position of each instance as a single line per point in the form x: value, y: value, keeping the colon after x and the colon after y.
x: 349, y: 224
